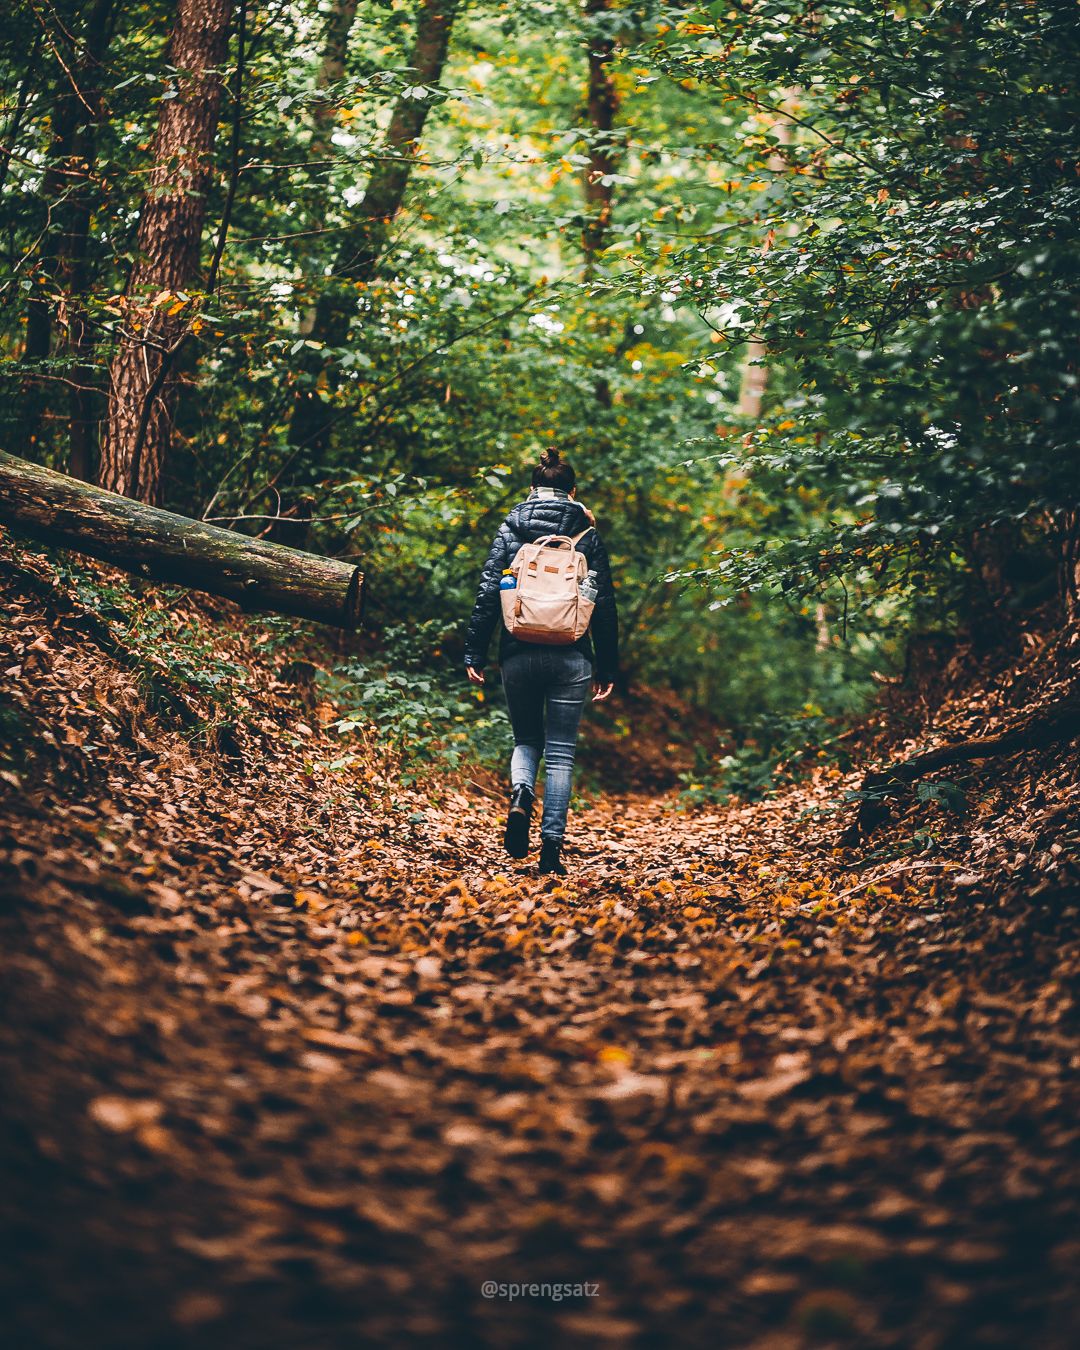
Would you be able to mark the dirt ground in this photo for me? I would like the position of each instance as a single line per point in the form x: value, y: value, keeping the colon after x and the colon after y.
x: 285, y: 1070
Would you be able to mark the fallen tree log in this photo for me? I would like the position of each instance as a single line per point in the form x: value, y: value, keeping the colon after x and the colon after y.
x: 174, y: 550
x: 1053, y: 722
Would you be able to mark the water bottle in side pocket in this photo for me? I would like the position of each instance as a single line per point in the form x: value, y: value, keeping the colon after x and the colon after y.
x: 589, y: 589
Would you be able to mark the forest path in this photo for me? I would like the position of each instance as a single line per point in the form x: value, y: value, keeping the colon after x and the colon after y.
x: 717, y: 1107
x: 279, y: 1075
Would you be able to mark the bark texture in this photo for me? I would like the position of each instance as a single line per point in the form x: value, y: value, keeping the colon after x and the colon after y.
x: 603, y: 104
x: 170, y: 234
x: 365, y: 240
x: 55, y: 509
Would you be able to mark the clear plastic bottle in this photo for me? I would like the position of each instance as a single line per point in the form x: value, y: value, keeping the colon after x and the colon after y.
x: 589, y: 589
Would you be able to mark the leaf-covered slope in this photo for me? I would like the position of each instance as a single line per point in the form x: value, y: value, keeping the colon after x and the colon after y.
x: 280, y: 1081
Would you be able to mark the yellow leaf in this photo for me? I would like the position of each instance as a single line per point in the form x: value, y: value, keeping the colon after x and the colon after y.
x: 314, y: 900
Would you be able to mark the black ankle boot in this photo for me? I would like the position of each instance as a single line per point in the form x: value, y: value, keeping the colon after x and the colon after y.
x: 549, y: 857
x: 516, y: 838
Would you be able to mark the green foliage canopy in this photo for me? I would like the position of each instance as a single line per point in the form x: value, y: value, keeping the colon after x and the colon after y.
x: 904, y: 244
x: 885, y: 199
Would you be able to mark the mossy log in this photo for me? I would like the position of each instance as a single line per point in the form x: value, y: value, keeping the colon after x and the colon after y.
x: 163, y: 547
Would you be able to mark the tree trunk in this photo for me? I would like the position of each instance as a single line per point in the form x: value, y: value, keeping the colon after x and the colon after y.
x: 38, y: 340
x: 335, y: 51
x: 366, y: 238
x: 337, y: 42
x: 72, y: 262
x: 755, y: 380
x: 755, y: 374
x: 58, y: 510
x: 66, y: 190
x: 363, y: 246
x: 325, y: 115
x: 603, y: 104
x: 170, y: 234
x: 64, y: 122
x: 1068, y: 531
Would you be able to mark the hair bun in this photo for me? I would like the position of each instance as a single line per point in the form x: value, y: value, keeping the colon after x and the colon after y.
x: 552, y: 471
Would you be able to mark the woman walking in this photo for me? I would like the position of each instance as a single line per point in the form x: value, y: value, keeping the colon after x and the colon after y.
x: 548, y: 667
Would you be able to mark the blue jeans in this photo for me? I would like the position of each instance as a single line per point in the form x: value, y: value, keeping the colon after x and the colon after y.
x: 556, y: 679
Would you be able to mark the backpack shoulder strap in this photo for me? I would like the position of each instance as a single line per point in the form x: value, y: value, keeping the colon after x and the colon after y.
x: 577, y: 538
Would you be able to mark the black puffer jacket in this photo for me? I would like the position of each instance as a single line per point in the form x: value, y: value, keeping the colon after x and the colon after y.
x: 528, y: 521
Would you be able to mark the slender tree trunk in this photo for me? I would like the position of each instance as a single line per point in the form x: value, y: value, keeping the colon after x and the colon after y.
x: 335, y: 52
x: 366, y: 238
x: 170, y: 234
x: 1069, y: 539
x: 755, y: 380
x: 76, y: 111
x: 78, y: 211
x: 386, y: 187
x: 38, y: 341
x: 603, y: 104
x: 11, y: 139
x: 755, y: 376
x: 334, y: 63
x: 66, y: 191
x: 336, y: 49
x: 38, y: 315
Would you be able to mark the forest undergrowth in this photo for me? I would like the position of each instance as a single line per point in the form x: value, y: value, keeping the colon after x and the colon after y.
x: 297, y: 1060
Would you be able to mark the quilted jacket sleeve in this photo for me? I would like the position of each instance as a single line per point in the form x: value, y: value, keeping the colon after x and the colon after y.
x: 605, y: 619
x: 488, y: 608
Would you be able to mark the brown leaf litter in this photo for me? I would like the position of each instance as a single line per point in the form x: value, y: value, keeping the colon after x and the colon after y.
x: 285, y: 1071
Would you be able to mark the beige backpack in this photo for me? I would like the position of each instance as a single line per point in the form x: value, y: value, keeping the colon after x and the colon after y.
x: 545, y: 604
